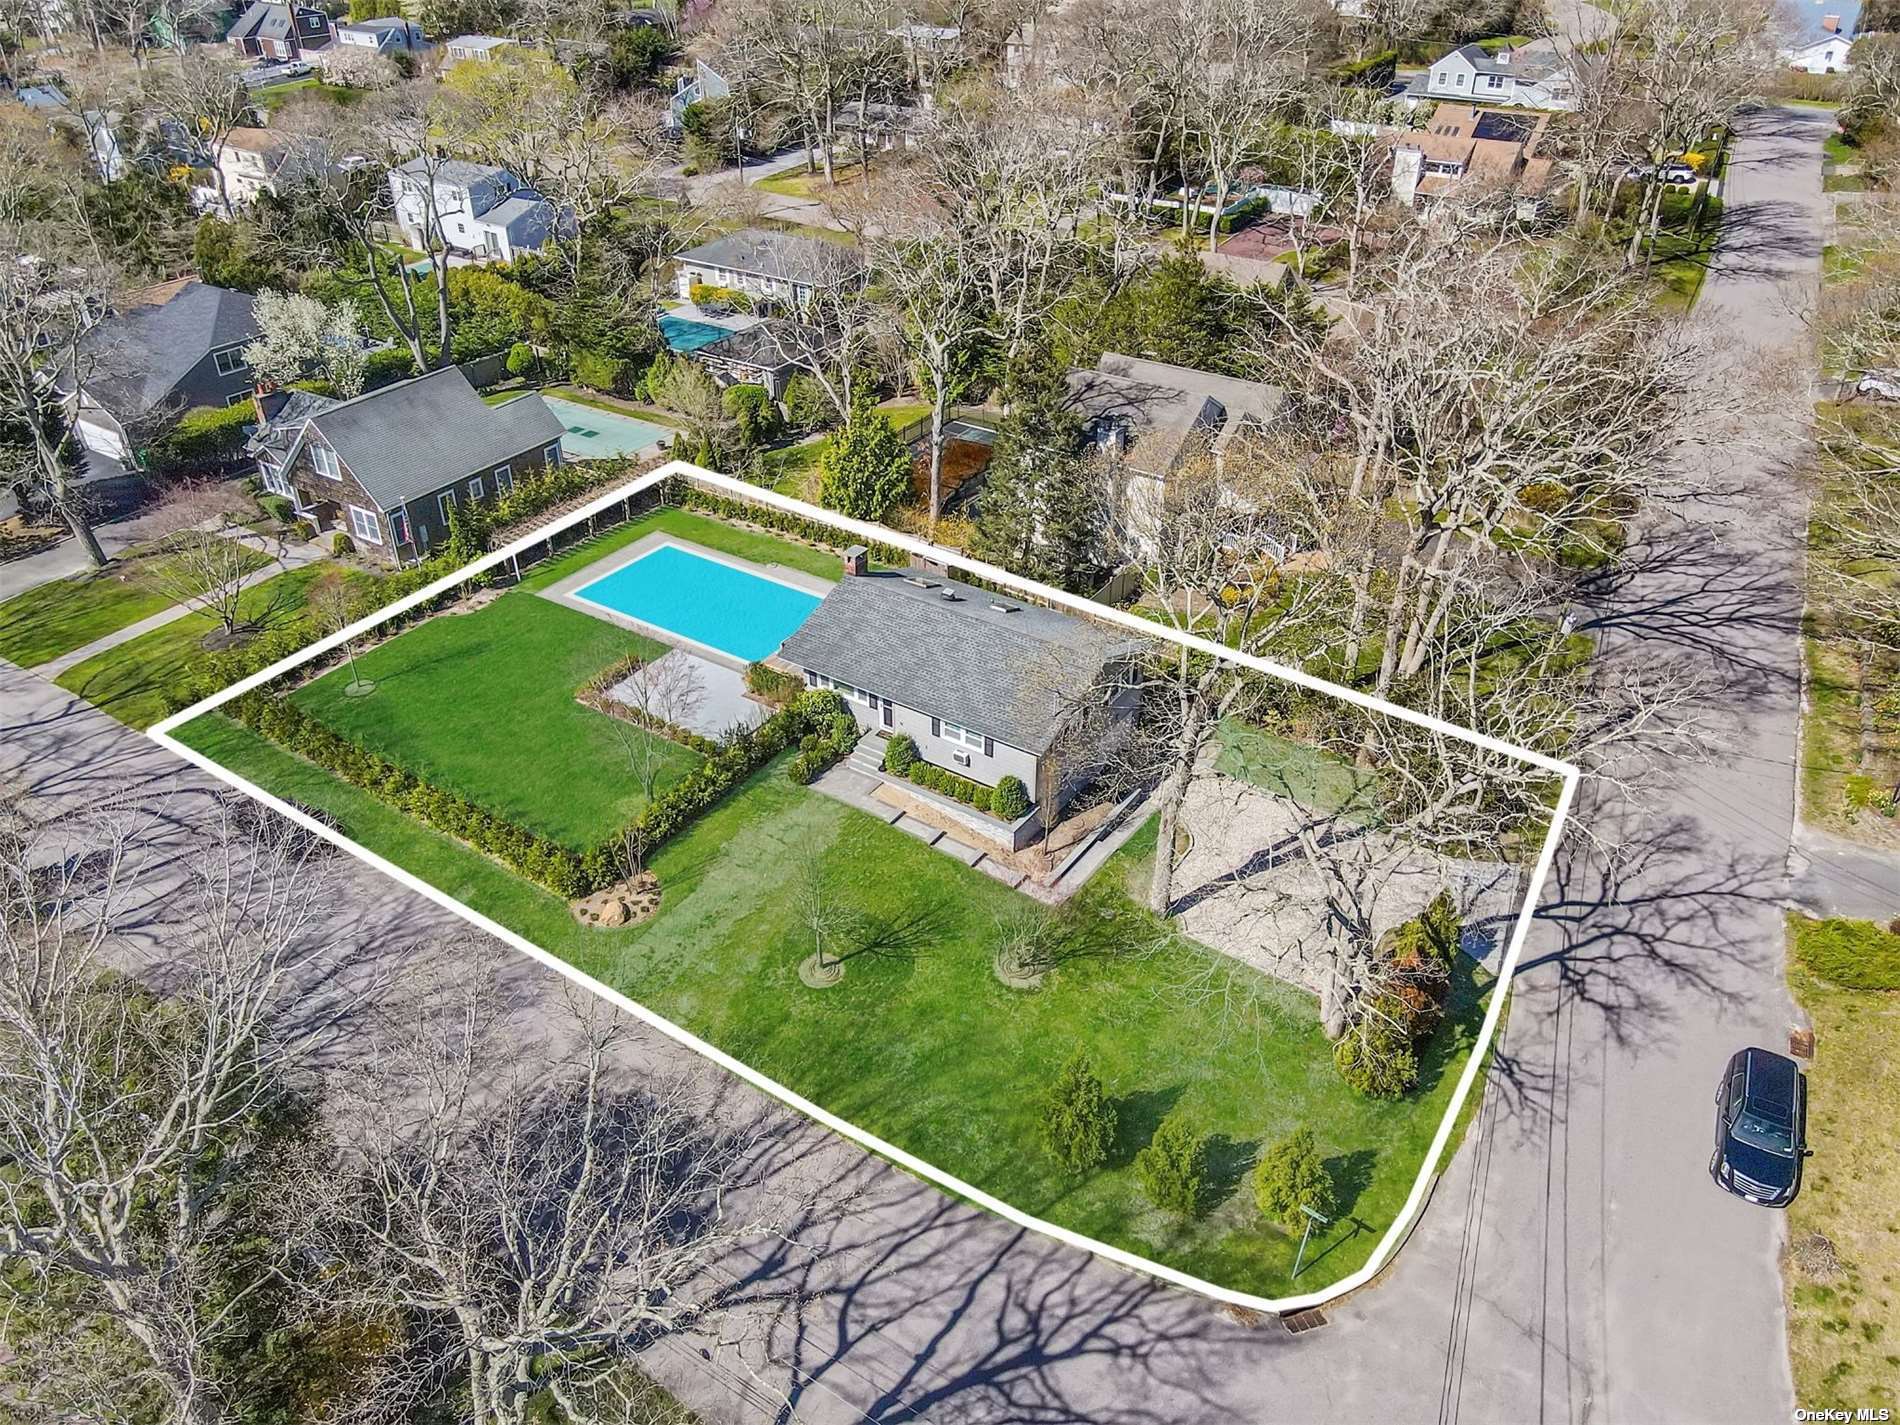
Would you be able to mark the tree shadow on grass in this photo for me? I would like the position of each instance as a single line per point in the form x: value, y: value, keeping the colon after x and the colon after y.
x: 1228, y: 1161
x: 895, y: 937
x: 1137, y: 1115
x: 1352, y: 1175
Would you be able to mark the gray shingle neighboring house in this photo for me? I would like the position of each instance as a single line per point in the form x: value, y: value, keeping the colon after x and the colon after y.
x: 279, y: 31
x: 162, y: 351
x: 985, y: 684
x: 386, y: 466
x: 768, y: 266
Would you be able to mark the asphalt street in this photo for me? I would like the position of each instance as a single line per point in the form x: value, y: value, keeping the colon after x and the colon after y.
x: 1575, y: 1264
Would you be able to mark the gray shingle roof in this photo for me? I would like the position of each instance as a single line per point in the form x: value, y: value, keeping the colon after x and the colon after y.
x: 263, y: 20
x: 1162, y: 406
x: 1529, y: 62
x: 455, y: 172
x: 136, y: 357
x: 1008, y: 675
x: 425, y: 433
x: 786, y: 257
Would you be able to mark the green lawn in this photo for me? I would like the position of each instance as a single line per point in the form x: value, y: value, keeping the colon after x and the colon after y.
x: 483, y: 704
x: 1684, y: 250
x: 54, y: 619
x: 921, y: 1044
x: 1313, y: 778
x: 131, y: 680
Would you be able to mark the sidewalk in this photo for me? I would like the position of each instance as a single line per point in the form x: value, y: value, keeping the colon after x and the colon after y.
x: 1834, y: 876
x: 284, y: 556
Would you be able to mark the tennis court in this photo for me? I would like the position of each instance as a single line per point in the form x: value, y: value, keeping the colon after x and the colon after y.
x: 593, y: 434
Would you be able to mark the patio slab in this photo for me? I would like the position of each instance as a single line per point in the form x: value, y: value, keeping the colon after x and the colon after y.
x: 969, y: 855
x: 924, y: 832
x: 722, y: 703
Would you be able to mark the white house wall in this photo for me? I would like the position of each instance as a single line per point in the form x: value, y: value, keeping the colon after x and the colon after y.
x: 987, y: 768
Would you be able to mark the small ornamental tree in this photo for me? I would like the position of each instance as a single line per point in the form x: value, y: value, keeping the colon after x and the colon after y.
x: 1173, y: 1167
x: 866, y: 468
x: 468, y: 532
x: 1289, y: 1177
x: 1078, y: 1121
x: 1010, y: 799
x: 1375, y: 1055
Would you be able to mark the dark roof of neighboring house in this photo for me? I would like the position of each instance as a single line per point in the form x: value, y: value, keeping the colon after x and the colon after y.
x: 456, y: 172
x: 268, y: 20
x: 1161, y: 406
x: 139, y: 354
x: 786, y: 257
x: 989, y: 662
x: 284, y: 413
x: 1809, y: 21
x: 419, y: 435
x: 1531, y: 62
x: 751, y: 346
x: 519, y: 204
x: 394, y: 24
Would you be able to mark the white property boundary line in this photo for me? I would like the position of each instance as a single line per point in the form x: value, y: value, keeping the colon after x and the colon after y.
x: 871, y: 533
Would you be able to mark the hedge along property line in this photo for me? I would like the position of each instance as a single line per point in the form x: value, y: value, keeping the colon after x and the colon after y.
x: 691, y: 497
x: 814, y: 716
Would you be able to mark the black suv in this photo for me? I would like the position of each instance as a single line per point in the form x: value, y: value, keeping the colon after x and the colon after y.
x: 1761, y: 1118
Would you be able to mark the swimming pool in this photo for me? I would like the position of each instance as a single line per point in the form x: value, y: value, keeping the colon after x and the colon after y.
x: 683, y: 334
x: 703, y: 601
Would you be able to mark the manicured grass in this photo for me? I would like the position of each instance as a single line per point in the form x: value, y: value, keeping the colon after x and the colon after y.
x: 922, y: 1045
x: 1844, y: 1327
x: 131, y: 681
x: 1684, y: 251
x: 754, y: 545
x: 796, y: 183
x: 1839, y: 150
x: 483, y: 704
x: 1852, y: 954
x: 794, y: 469
x: 1277, y: 764
x: 44, y: 623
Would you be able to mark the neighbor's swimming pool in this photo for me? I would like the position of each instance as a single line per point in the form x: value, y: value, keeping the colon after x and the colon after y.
x: 703, y: 601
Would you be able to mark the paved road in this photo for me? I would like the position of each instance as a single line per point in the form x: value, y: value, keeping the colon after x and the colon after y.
x: 1575, y: 1264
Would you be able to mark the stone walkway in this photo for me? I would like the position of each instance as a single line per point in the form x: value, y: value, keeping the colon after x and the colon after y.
x: 847, y: 784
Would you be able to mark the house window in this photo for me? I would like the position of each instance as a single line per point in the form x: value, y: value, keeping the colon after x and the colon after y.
x: 445, y: 502
x: 326, y: 462
x: 552, y: 454
x: 504, y: 479
x: 229, y: 362
x: 365, y: 526
x: 399, y: 525
x: 475, y: 490
x: 238, y: 398
x: 952, y: 732
x: 275, y: 480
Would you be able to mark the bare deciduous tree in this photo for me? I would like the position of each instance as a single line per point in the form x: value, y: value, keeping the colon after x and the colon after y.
x: 661, y: 694
x: 201, y: 560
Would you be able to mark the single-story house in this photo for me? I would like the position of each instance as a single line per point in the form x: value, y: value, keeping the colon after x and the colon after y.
x: 1149, y: 418
x: 478, y: 49
x: 753, y: 356
x: 1821, y: 42
x: 986, y: 685
x: 1530, y: 76
x: 159, y: 352
x: 478, y: 209
x: 767, y: 266
x: 1463, y: 145
x: 252, y: 161
x: 387, y: 466
x: 387, y: 35
x: 269, y: 30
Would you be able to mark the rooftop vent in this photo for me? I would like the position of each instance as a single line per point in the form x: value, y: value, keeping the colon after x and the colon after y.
x: 949, y: 596
x: 920, y: 583
x: 1004, y: 608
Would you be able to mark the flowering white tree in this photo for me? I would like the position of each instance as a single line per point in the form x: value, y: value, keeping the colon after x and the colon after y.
x: 300, y: 337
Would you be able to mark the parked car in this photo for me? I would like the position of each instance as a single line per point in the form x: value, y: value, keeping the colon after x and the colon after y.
x: 1668, y: 173
x: 1761, y: 1118
x: 1881, y: 385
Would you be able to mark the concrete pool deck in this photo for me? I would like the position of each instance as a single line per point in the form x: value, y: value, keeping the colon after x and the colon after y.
x: 566, y: 590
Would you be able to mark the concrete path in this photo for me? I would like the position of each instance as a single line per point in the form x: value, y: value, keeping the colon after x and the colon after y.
x: 284, y: 555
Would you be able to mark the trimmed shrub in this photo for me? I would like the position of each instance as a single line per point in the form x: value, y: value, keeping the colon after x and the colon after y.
x: 692, y: 497
x: 865, y: 468
x: 521, y: 359
x: 807, y: 407
x: 204, y: 437
x: 392, y: 363
x: 768, y: 683
x: 1172, y: 1169
x: 602, y: 373
x: 754, y: 413
x: 1375, y: 1057
x: 278, y: 508
x: 1010, y: 799
x: 341, y: 543
x: 1078, y: 1121
x: 709, y: 298
x: 1290, y: 1176
x: 900, y: 754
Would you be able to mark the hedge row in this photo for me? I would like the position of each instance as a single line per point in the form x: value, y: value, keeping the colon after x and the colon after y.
x: 817, y: 752
x: 775, y: 687
x: 694, y: 498
x: 535, y: 857
x: 1008, y: 799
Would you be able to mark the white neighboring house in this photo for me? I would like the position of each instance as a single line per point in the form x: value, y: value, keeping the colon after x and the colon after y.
x: 1820, y: 42
x: 482, y: 212
x: 1532, y: 76
x: 384, y: 36
x: 479, y: 49
x: 251, y: 160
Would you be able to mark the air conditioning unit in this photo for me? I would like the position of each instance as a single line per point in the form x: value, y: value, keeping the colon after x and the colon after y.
x: 962, y: 759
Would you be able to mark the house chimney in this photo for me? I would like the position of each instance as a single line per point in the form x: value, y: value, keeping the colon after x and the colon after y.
x: 1831, y: 24
x: 857, y: 561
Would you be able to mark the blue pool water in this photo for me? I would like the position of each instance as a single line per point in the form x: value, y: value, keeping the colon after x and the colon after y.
x: 704, y: 601
x: 683, y: 334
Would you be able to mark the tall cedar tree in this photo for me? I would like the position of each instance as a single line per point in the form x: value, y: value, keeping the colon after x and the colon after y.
x: 865, y: 468
x: 1043, y: 510
x: 1078, y: 1121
